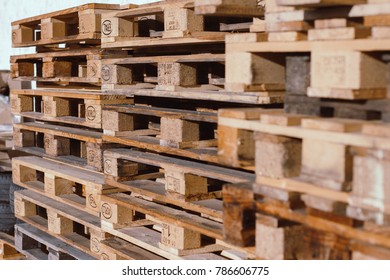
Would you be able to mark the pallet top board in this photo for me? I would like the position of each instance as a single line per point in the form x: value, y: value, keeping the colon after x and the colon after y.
x: 353, y: 138
x: 51, y: 242
x: 308, y: 46
x: 230, y: 8
x: 58, y: 54
x: 200, y: 169
x: 172, y: 216
x: 196, y: 38
x: 68, y: 93
x: 69, y: 132
x: 68, y: 11
x: 164, y: 112
x: 65, y: 171
x: 319, y: 3
x: 205, y: 57
x: 265, y: 97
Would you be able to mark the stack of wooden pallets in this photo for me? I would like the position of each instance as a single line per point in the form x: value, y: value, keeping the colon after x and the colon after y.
x: 125, y: 132
x: 176, y: 73
x: 321, y: 163
x: 61, y: 204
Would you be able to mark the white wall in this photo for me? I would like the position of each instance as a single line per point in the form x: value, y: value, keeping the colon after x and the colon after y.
x: 11, y: 10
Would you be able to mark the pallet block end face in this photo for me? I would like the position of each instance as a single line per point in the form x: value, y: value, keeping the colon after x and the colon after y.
x: 115, y: 215
x: 278, y: 156
x: 53, y: 29
x: 347, y: 70
x: 178, y: 130
x: 118, y: 168
x: 22, y: 34
x: 278, y: 243
x: 371, y: 179
x: 22, y: 207
x: 56, y: 186
x: 93, y: 113
x: 297, y: 74
x: 185, y: 184
x: 248, y: 70
x: 94, y: 154
x: 179, y: 238
x: 93, y: 69
x: 53, y: 69
x: 235, y: 145
x: 179, y: 22
x: 116, y: 121
x: 112, y: 27
x: 58, y: 224
x: 335, y: 162
x: 21, y: 103
x: 90, y: 23
x: 56, y: 145
x: 176, y: 74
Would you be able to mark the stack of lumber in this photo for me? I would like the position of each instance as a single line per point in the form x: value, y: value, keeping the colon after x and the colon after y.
x: 321, y: 188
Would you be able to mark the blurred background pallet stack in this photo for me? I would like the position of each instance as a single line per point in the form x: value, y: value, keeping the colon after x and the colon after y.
x: 321, y: 163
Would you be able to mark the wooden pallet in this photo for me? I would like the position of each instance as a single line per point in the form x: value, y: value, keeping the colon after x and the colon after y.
x: 73, y: 226
x: 71, y: 25
x: 39, y: 245
x: 297, y: 169
x: 176, y: 235
x: 78, y: 66
x: 79, y: 188
x: 198, y: 71
x: 298, y: 79
x: 80, y: 147
x: 326, y: 60
x: 162, y: 23
x: 167, y: 179
x: 133, y: 238
x: 81, y: 107
x: 7, y: 248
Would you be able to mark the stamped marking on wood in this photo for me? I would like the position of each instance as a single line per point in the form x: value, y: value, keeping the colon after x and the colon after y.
x: 91, y: 113
x: 13, y: 36
x: 106, y: 211
x: 106, y: 73
x: 95, y: 245
x: 93, y: 69
x: 92, y: 201
x: 108, y: 166
x: 105, y: 256
x: 107, y: 27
